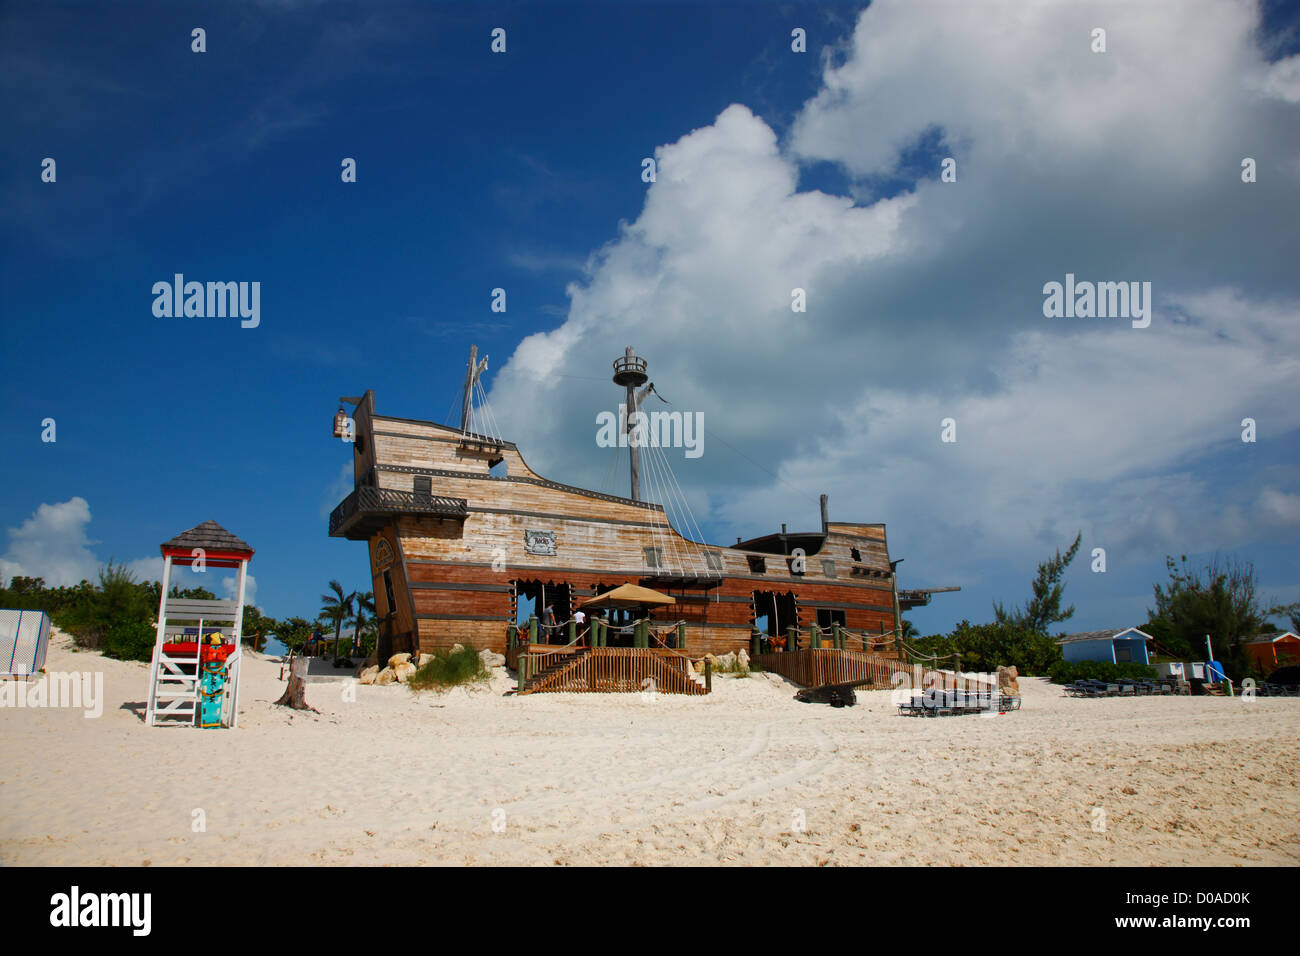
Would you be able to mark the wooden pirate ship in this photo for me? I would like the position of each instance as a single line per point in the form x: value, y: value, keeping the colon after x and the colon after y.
x: 467, y: 544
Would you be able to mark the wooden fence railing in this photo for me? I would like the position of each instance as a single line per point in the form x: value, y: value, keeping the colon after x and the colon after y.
x: 813, y: 667
x: 610, y: 670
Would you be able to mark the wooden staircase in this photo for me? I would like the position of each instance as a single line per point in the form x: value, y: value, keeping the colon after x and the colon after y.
x: 559, y: 664
x: 612, y: 670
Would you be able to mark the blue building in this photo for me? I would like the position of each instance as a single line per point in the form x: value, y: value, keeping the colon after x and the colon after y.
x: 1116, y: 645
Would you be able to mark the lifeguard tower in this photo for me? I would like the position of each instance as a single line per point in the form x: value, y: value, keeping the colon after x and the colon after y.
x: 194, y: 677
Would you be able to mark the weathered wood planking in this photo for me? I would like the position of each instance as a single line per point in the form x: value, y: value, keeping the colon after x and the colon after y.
x: 452, y: 578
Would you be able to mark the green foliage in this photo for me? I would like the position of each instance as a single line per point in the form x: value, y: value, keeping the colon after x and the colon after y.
x: 113, y: 616
x: 116, y: 615
x: 1221, y: 601
x: 256, y: 627
x: 932, y: 646
x: 336, y: 607
x: 131, y: 639
x: 983, y: 647
x: 294, y: 632
x: 365, y: 622
x: 1044, y: 609
x: 1290, y: 611
x: 1063, y: 672
x: 447, y: 669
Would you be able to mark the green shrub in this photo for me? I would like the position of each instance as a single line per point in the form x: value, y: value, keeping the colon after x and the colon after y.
x: 447, y: 669
x: 1063, y: 672
x: 985, y: 646
x: 130, y: 640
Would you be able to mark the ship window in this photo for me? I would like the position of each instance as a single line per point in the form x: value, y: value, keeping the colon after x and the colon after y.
x: 857, y: 555
x: 653, y: 557
x: 500, y: 470
x: 388, y: 592
x: 714, y: 560
x: 828, y: 617
x: 828, y: 568
x: 757, y: 564
x: 423, y: 489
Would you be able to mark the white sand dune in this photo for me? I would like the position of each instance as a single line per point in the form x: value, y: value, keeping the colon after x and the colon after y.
x: 744, y: 776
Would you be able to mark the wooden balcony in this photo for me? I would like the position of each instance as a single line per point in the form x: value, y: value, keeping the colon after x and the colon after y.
x: 366, y: 510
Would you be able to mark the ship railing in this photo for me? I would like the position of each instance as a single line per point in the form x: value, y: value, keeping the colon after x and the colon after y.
x: 813, y: 637
x: 368, y: 499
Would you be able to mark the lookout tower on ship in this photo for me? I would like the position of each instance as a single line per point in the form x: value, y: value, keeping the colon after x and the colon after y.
x: 466, y: 542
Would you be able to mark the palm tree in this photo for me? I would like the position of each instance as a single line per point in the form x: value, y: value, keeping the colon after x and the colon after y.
x: 337, y: 608
x: 366, y: 614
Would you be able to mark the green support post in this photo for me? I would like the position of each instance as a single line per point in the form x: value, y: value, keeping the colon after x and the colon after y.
x: 573, y: 631
x: 755, y: 643
x: 597, y: 632
x: 641, y: 636
x: 681, y: 635
x: 532, y: 629
x: 708, y: 676
x: 791, y: 638
x: 511, y: 632
x: 815, y: 636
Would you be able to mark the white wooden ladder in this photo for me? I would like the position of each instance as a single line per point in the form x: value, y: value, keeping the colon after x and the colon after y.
x: 174, y: 676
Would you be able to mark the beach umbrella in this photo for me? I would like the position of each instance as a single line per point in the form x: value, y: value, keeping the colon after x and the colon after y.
x: 629, y: 596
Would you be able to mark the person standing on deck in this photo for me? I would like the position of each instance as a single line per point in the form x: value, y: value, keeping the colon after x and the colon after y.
x: 548, y: 621
x: 580, y: 618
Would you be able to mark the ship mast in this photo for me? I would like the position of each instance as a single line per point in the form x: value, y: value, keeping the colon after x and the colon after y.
x: 472, y: 373
x: 630, y: 372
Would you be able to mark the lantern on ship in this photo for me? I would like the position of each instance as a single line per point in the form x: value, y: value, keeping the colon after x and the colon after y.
x: 341, y: 429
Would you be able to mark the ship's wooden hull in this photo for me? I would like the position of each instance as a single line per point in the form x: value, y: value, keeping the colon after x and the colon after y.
x: 454, y: 548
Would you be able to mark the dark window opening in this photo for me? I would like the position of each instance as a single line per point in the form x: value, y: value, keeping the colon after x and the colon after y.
x: 829, y: 616
x: 423, y: 489
x: 388, y: 592
x: 533, y: 597
x: 757, y: 565
x: 857, y: 555
x: 774, y: 612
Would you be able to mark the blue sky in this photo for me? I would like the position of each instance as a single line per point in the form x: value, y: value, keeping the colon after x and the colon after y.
x: 522, y: 171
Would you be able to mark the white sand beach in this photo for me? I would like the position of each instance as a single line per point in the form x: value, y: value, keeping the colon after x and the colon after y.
x: 744, y: 776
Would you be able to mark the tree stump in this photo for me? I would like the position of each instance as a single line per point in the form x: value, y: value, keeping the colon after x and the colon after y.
x: 294, y: 695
